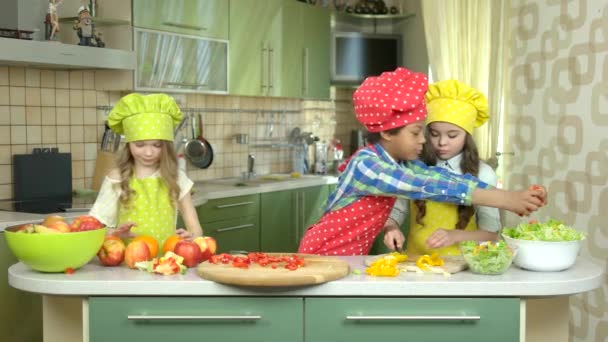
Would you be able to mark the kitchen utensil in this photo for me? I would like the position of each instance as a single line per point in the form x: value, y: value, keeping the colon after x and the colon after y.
x: 294, y: 135
x: 194, y: 148
x: 317, y: 270
x: 451, y: 263
x: 208, y: 155
x: 54, y: 252
x: 105, y: 137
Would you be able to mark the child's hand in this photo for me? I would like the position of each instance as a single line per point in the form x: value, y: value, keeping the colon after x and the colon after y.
x: 541, y: 192
x: 123, y: 230
x: 183, y: 233
x: 393, y: 237
x: 442, y: 238
x: 524, y: 202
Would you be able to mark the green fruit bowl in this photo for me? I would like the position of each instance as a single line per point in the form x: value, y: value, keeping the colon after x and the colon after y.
x: 56, y: 252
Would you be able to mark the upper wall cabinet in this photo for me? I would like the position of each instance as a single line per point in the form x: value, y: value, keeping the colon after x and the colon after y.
x: 205, y: 18
x: 279, y: 48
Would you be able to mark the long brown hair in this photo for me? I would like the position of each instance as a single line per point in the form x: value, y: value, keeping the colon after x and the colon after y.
x: 167, y: 166
x: 468, y: 164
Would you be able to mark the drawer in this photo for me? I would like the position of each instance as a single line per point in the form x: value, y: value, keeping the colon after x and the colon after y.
x: 426, y: 319
x: 178, y: 319
x: 239, y: 234
x: 229, y: 208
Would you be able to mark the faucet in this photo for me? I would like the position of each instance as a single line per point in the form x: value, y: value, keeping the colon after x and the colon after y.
x: 250, y: 166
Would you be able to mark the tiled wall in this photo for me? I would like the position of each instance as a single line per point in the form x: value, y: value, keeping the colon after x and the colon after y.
x: 58, y: 108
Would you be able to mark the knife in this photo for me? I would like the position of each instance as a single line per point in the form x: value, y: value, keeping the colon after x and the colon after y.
x: 398, y: 247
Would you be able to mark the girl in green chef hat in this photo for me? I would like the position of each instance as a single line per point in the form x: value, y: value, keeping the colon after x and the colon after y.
x: 145, y: 191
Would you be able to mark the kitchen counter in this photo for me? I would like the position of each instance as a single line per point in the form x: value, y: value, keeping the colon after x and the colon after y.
x: 96, y: 280
x: 202, y: 192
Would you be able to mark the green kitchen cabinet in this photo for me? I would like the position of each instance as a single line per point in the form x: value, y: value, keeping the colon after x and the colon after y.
x: 255, y: 47
x: 306, y: 36
x: 181, y: 319
x: 285, y: 216
x: 204, y: 18
x: 425, y: 319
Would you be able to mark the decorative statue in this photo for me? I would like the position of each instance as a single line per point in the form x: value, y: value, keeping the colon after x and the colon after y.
x: 85, y: 29
x: 52, y: 19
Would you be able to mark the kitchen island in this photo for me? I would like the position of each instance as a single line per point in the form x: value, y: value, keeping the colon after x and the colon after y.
x: 103, y: 303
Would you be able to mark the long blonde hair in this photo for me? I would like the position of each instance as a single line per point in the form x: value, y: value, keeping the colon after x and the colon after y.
x: 167, y: 166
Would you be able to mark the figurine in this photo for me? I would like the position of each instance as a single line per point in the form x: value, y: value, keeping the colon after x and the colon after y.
x: 84, y: 26
x: 52, y: 19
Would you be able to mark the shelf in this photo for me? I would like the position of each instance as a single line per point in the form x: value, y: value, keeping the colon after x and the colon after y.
x: 377, y: 16
x: 64, y: 56
x: 100, y: 21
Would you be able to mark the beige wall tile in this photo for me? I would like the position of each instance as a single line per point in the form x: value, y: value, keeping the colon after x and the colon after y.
x: 63, y: 134
x: 76, y: 98
x: 19, y: 149
x: 6, y: 174
x: 16, y: 76
x: 48, y: 116
x: 6, y: 191
x: 47, y: 78
x: 4, y: 95
x: 47, y: 97
x: 77, y: 134
x: 89, y: 98
x: 77, y: 151
x: 88, y: 80
x: 32, y: 96
x: 76, y: 116
x: 3, y: 75
x: 62, y: 80
x: 34, y: 134
x: 90, y: 134
x: 5, y: 135
x: 64, y: 148
x: 63, y: 115
x: 103, y: 98
x: 77, y: 170
x: 32, y: 77
x: 33, y: 116
x: 49, y: 134
x: 5, y: 115
x: 18, y: 135
x: 89, y: 168
x: 90, y: 116
x: 17, y: 96
x: 90, y: 151
x: 5, y: 155
x: 78, y: 183
x: 62, y: 97
x: 76, y: 79
x: 17, y: 115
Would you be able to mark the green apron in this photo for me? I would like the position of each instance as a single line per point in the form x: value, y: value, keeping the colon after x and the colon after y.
x: 150, y: 208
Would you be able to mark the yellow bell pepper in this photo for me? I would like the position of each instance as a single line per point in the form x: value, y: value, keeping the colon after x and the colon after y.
x: 425, y: 261
x: 385, y: 266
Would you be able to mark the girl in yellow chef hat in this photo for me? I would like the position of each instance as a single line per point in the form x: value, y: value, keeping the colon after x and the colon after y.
x: 146, y: 190
x: 454, y: 110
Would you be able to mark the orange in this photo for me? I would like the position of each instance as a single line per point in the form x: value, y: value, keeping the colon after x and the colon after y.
x: 50, y: 219
x: 170, y: 243
x: 151, y: 242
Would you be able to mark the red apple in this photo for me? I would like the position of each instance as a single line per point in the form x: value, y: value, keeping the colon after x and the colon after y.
x: 190, y: 251
x: 85, y: 222
x: 60, y: 225
x: 112, y: 252
x: 208, y: 246
x: 135, y: 252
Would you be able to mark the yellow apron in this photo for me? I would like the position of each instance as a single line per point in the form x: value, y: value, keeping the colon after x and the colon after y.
x: 150, y: 208
x: 438, y: 215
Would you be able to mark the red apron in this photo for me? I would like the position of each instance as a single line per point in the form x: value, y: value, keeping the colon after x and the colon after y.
x: 350, y: 230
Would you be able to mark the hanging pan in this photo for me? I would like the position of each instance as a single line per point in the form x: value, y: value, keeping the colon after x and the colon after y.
x: 194, y: 149
x: 208, y: 155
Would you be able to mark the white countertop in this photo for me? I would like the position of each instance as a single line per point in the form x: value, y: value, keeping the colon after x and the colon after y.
x: 94, y: 279
x: 203, y: 191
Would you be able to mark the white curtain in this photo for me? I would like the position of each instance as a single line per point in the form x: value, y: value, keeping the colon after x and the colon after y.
x: 467, y: 41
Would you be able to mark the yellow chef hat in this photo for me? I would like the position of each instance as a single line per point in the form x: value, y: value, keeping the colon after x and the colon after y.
x: 145, y: 117
x: 457, y: 103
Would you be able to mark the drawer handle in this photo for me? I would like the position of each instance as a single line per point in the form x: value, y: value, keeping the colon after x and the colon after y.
x: 194, y: 318
x: 223, y: 206
x: 182, y: 84
x: 413, y: 318
x: 185, y: 26
x: 234, y: 227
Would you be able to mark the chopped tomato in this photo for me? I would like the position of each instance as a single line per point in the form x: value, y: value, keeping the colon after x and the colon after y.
x: 69, y: 270
x: 291, y: 267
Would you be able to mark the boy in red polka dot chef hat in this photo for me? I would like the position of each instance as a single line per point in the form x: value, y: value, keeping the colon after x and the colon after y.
x: 392, y: 108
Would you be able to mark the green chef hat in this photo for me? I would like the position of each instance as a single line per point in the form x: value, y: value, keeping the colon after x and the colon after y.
x: 145, y: 117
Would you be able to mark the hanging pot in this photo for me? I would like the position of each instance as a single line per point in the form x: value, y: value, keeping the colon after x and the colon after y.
x: 194, y: 149
x: 208, y: 155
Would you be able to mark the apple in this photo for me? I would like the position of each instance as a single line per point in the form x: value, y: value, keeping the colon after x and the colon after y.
x: 40, y: 229
x: 190, y: 251
x: 61, y: 226
x: 207, y: 244
x: 136, y: 251
x: 26, y: 228
x: 50, y: 219
x: 112, y: 251
x: 85, y: 222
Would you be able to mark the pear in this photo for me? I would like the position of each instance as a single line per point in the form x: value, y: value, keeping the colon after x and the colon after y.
x: 40, y: 229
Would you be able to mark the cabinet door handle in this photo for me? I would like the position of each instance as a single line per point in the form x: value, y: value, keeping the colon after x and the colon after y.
x: 192, y: 85
x: 223, y: 206
x: 305, y: 70
x: 185, y: 26
x: 413, y: 318
x: 193, y: 318
x: 270, y: 68
x: 262, y: 68
x: 235, y: 227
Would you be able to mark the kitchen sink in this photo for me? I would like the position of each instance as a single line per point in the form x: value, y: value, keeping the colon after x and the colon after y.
x: 257, y: 181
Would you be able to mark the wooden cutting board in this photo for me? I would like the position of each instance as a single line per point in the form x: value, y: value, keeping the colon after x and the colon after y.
x: 451, y: 263
x: 317, y: 270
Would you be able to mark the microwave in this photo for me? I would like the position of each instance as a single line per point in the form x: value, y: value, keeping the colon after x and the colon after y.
x: 356, y: 55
